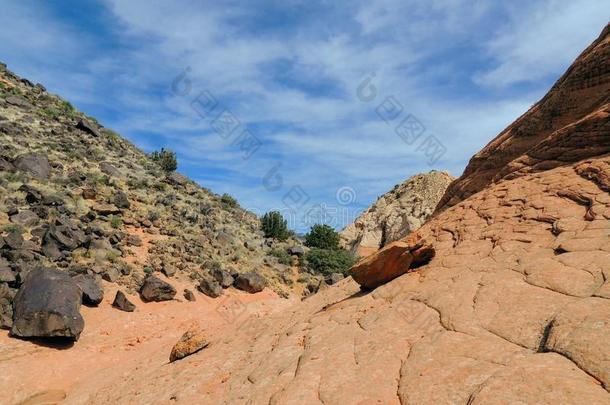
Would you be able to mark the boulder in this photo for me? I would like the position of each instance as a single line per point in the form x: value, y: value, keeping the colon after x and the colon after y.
x: 297, y: 251
x: 191, y: 342
x: 35, y: 164
x: 13, y: 240
x: 250, y: 282
x: 65, y: 237
x: 88, y: 127
x: 176, y: 179
x: 93, y: 293
x: 106, y: 209
x: 122, y: 302
x: 120, y: 200
x: 109, y: 169
x: 18, y: 101
x: 210, y: 287
x: 223, y: 277
x: 26, y: 218
x: 47, y: 305
x: 111, y: 274
x: 155, y: 289
x: 393, y: 261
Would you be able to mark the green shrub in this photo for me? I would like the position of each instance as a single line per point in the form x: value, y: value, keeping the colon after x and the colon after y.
x: 116, y: 221
x: 50, y: 112
x: 166, y: 159
x: 322, y: 237
x: 228, y: 200
x: 326, y: 262
x: 274, y: 226
x: 282, y: 255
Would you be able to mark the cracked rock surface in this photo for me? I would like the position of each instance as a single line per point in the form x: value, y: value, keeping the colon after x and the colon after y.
x: 514, y: 307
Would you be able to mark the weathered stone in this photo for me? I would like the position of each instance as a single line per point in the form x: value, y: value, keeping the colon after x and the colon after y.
x: 18, y: 102
x: 26, y: 218
x: 190, y: 343
x: 47, y: 305
x: 6, y: 275
x: 88, y: 127
x: 189, y: 295
x: 93, y: 293
x: 122, y: 302
x: 210, y: 287
x: 14, y: 240
x: 334, y: 278
x: 250, y: 282
x: 121, y: 200
x: 106, y: 209
x: 35, y: 164
x: 223, y: 277
x: 296, y: 250
x: 155, y: 289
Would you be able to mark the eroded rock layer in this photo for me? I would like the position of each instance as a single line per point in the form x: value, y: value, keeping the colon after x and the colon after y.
x: 569, y: 124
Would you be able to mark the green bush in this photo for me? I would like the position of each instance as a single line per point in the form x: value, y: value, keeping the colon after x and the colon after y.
x: 282, y: 255
x: 327, y: 261
x: 228, y: 200
x: 166, y: 159
x: 275, y: 226
x: 322, y: 237
x: 116, y: 221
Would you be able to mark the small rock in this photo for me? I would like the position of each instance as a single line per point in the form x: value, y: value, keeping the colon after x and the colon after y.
x: 210, y: 287
x: 93, y: 293
x: 47, y: 305
x: 189, y: 295
x: 250, y: 282
x: 89, y: 194
x: 7, y: 275
x: 155, y: 289
x: 85, y: 125
x: 334, y: 278
x: 121, y: 302
x: 191, y: 342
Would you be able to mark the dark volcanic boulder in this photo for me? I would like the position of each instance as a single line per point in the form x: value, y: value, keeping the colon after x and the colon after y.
x: 93, y: 293
x: 88, y: 127
x: 155, y: 289
x: 121, y: 302
x: 210, y: 287
x: 223, y: 277
x: 250, y: 282
x: 36, y: 164
x: 47, y: 305
x: 121, y: 200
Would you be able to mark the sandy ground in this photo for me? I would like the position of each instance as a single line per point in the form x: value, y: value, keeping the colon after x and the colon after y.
x: 118, y: 343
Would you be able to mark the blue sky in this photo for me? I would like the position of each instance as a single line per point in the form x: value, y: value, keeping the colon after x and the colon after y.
x: 290, y: 72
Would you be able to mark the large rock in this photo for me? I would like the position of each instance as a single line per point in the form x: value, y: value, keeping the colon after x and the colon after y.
x: 155, y: 289
x: 109, y: 169
x: 393, y: 261
x: 210, y: 287
x: 121, y: 200
x: 396, y: 213
x: 191, y: 342
x: 26, y: 218
x: 250, y: 282
x: 35, y: 164
x: 223, y: 277
x: 93, y: 292
x: 47, y: 305
x: 88, y: 127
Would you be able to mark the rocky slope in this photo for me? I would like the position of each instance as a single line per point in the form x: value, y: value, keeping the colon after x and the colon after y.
x: 396, y: 213
x: 566, y: 126
x: 512, y: 307
x: 78, y: 197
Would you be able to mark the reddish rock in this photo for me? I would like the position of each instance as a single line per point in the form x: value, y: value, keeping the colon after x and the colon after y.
x: 191, y: 342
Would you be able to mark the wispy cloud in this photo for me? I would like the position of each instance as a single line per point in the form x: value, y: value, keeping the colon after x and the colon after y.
x: 289, y: 72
